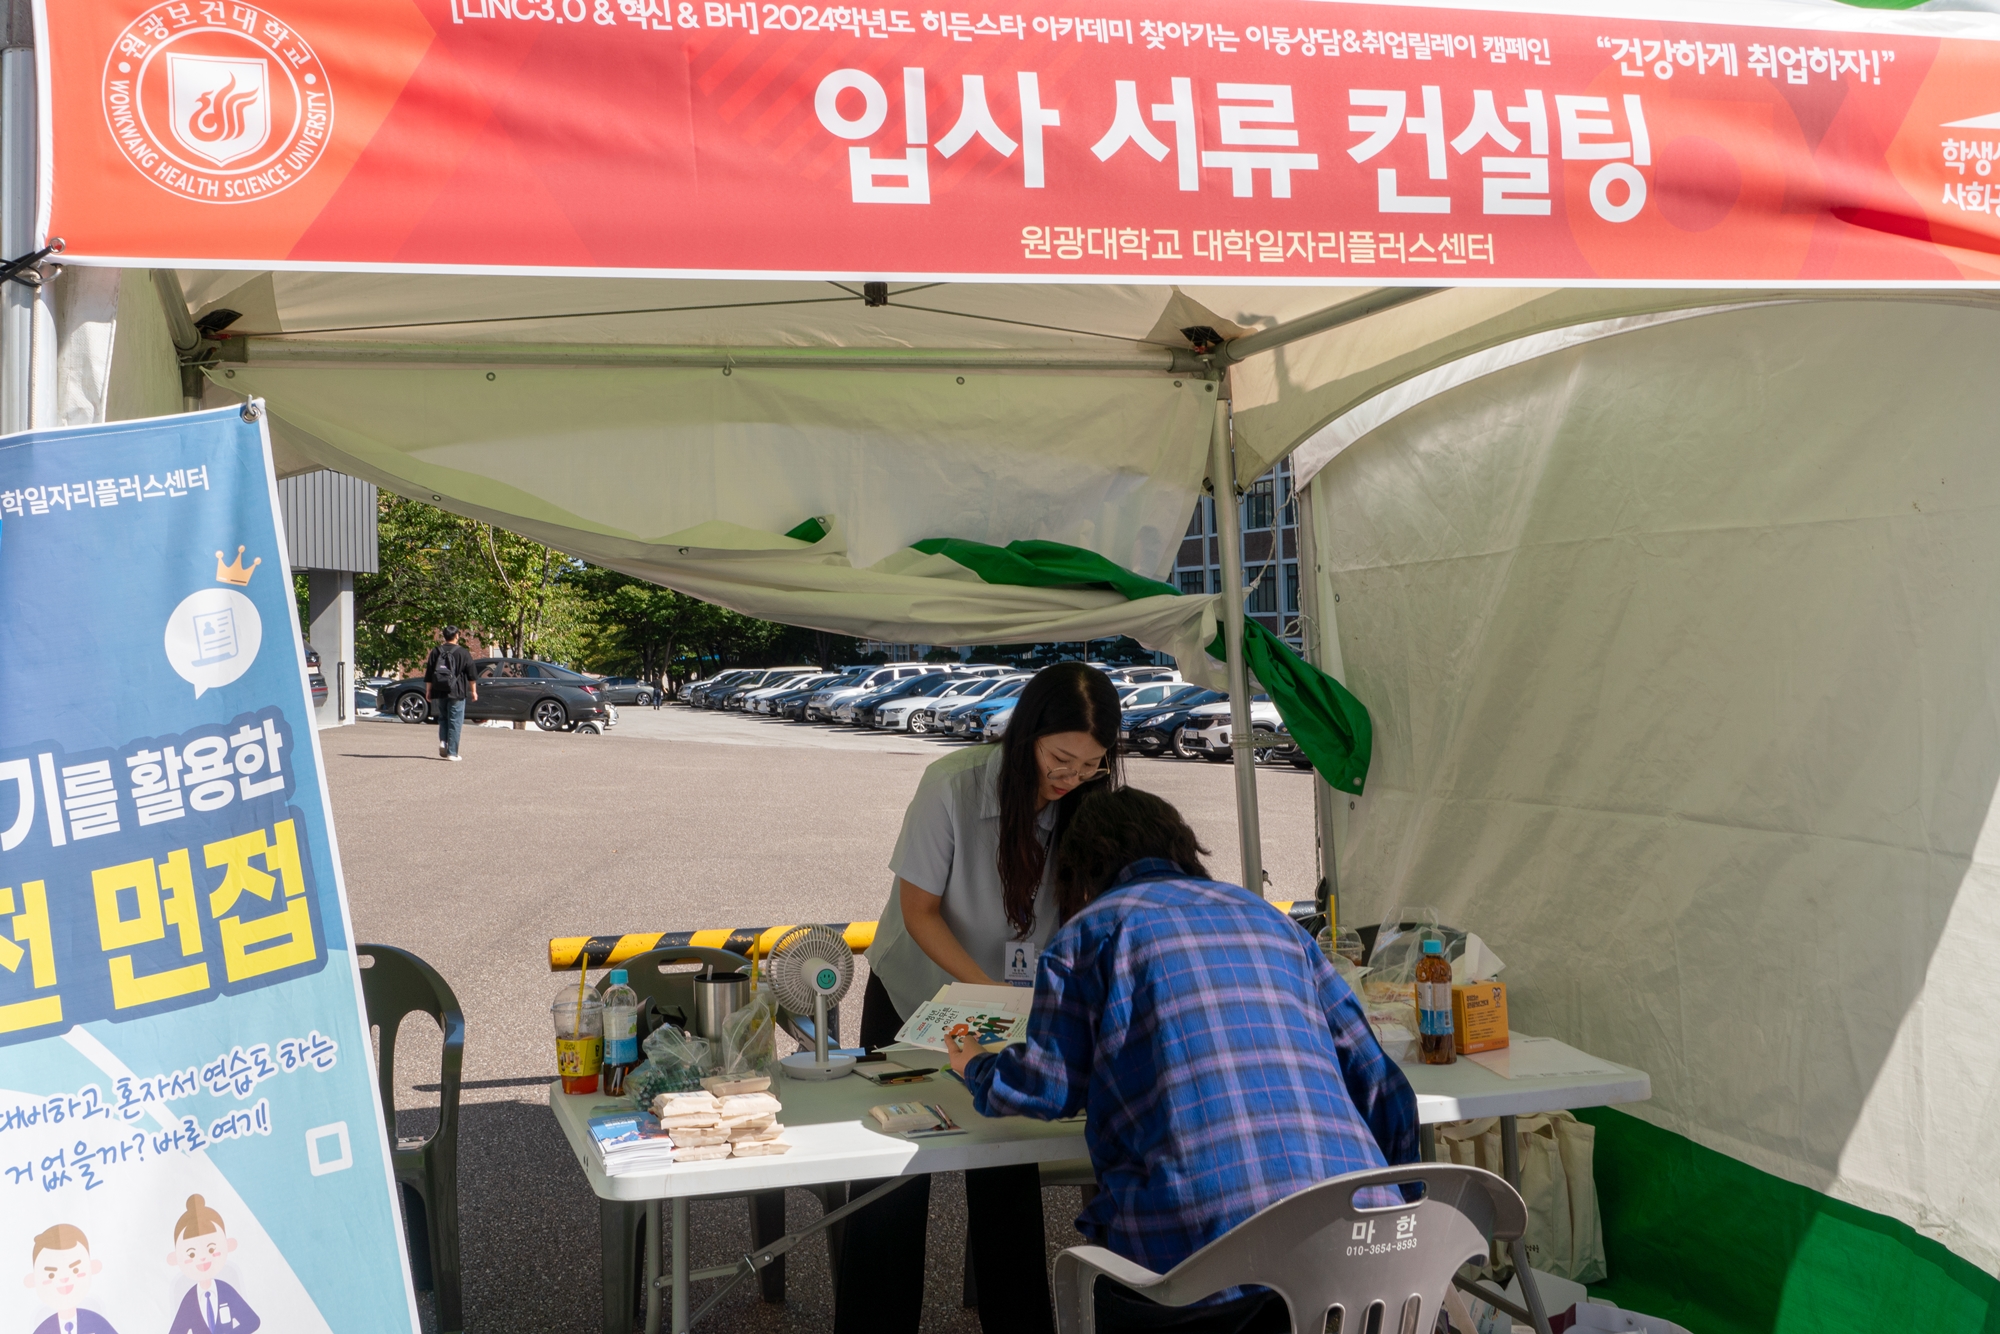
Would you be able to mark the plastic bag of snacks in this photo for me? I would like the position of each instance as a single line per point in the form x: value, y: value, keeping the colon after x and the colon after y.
x: 675, y: 1063
x: 750, y: 1038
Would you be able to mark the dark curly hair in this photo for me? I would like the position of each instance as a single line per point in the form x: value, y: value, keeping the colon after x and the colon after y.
x: 1112, y: 829
x: 1068, y: 697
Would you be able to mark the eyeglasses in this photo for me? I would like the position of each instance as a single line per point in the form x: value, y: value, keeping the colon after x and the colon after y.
x: 1096, y: 771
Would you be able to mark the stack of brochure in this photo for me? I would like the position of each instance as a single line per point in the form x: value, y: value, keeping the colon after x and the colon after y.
x: 632, y: 1143
x: 915, y: 1120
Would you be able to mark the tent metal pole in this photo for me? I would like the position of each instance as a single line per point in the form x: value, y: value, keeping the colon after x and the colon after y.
x: 1361, y: 307
x: 1317, y: 626
x: 186, y: 338
x: 268, y: 349
x: 260, y: 350
x: 17, y: 236
x: 1242, y: 741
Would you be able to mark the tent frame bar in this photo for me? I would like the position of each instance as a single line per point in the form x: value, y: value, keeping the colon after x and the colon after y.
x: 274, y: 351
x: 18, y: 301
x: 285, y: 349
x: 1346, y: 312
x: 1242, y: 737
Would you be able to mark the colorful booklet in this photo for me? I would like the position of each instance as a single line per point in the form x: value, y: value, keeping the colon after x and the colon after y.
x: 989, y: 1027
x: 952, y: 1012
x: 632, y: 1143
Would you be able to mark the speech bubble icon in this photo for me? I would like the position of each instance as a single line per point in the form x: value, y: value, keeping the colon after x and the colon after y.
x: 213, y: 637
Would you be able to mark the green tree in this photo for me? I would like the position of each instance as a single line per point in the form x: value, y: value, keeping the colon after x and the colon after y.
x: 524, y: 598
x: 641, y: 629
x: 438, y: 569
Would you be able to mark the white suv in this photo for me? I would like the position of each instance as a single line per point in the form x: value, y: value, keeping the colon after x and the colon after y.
x: 1208, y: 730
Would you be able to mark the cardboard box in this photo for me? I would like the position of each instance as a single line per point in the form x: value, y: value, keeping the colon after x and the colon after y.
x: 1479, y: 1016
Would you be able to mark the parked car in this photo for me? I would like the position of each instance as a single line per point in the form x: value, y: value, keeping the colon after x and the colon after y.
x: 719, y: 689
x: 1139, y: 696
x: 892, y: 708
x: 510, y: 689
x: 869, y: 680
x: 1143, y: 675
x: 964, y: 719
x: 626, y: 690
x: 978, y: 723
x: 313, y: 677
x: 922, y: 714
x: 693, y: 693
x: 759, y: 700
x: 1160, y: 730
x: 364, y: 701
x: 1208, y: 731
x: 790, y: 700
x: 1289, y: 751
x: 758, y: 677
x: 735, y: 696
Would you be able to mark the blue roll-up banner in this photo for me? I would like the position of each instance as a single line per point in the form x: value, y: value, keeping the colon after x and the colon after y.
x: 189, y: 1132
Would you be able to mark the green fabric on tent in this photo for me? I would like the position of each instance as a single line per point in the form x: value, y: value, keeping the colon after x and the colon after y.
x: 1331, y: 727
x: 812, y: 530
x: 1711, y: 1243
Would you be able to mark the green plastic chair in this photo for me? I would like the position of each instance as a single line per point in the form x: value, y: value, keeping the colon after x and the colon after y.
x: 621, y: 1223
x: 395, y: 983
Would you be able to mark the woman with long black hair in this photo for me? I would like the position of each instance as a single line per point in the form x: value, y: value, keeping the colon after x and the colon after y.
x: 974, y: 901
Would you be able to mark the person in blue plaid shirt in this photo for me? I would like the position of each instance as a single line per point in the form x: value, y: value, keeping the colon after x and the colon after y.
x: 1223, y: 1063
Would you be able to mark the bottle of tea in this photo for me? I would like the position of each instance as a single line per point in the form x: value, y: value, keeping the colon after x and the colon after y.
x: 1434, y: 1042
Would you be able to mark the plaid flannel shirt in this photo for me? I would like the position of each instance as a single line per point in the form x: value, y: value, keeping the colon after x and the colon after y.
x: 1223, y: 1063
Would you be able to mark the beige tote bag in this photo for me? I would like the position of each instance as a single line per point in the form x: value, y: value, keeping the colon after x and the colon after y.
x: 1565, y: 1236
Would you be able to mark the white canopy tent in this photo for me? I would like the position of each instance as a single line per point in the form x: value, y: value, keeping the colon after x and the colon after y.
x: 1609, y: 565
x: 1667, y: 671
x: 676, y: 431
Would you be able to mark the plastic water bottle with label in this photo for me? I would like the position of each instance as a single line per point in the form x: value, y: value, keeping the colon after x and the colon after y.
x: 1434, y: 1042
x: 621, y: 1031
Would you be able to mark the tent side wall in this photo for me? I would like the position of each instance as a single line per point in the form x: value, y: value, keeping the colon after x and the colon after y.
x: 1684, y: 662
x: 115, y: 359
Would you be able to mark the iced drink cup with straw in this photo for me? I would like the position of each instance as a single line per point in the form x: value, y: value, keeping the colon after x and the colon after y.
x: 579, y: 1021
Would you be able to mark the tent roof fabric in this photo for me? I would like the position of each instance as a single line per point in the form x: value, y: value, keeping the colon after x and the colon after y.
x: 1280, y: 399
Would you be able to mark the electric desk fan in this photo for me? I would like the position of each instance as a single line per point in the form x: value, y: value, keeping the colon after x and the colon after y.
x: 810, y: 968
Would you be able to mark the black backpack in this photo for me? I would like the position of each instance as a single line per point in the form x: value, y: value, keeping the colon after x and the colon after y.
x: 444, y: 666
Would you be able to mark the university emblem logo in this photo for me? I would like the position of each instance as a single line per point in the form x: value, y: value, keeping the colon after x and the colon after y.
x: 221, y: 105
x: 217, y: 104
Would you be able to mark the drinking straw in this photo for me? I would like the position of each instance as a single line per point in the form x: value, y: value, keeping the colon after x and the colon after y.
x: 576, y: 1020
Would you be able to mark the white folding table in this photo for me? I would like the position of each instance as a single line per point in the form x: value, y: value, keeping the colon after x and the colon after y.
x: 834, y: 1143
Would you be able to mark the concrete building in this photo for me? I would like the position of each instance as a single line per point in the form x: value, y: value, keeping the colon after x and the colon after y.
x: 329, y: 522
x: 1270, y: 552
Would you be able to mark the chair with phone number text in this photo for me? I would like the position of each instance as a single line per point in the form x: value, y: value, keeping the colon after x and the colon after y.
x: 1337, y: 1264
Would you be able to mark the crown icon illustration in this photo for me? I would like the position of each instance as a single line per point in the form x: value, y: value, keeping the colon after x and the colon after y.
x: 235, y: 574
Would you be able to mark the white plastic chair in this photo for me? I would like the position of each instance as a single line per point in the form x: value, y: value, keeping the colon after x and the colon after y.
x: 1384, y: 1270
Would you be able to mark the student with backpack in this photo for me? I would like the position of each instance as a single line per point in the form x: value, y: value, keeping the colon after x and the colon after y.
x: 448, y: 680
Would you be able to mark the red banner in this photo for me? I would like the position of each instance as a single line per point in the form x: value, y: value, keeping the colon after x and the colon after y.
x: 1104, y: 139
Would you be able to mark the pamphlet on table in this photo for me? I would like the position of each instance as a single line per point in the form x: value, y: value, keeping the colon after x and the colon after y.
x: 993, y: 1016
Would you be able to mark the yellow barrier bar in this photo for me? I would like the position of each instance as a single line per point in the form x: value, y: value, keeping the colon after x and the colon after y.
x: 567, y: 952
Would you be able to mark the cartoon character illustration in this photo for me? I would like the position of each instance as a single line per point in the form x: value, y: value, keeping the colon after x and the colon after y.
x: 201, y: 1246
x: 60, y: 1273
x: 981, y: 1028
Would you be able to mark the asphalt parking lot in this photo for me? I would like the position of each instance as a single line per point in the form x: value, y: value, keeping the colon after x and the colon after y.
x: 677, y: 819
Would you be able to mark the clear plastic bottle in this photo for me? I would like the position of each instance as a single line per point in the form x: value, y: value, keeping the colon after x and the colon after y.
x: 1434, y: 1040
x: 621, y: 1031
